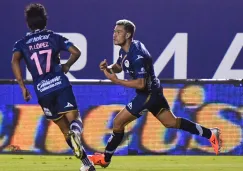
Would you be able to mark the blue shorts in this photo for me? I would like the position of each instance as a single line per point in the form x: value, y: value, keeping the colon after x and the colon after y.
x: 143, y: 102
x: 55, y: 104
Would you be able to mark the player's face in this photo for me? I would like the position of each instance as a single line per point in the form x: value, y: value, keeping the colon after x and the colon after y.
x: 119, y: 35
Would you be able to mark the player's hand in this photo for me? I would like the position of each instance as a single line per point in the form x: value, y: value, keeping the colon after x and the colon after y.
x: 103, y: 65
x: 65, y: 68
x: 26, y: 94
x: 110, y: 75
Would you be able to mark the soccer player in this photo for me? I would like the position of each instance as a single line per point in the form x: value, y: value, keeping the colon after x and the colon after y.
x: 135, y: 60
x: 40, y: 50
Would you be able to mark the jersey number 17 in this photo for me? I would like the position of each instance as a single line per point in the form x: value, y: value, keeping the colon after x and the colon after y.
x: 34, y: 57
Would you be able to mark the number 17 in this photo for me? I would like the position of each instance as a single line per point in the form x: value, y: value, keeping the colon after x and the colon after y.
x: 48, y: 60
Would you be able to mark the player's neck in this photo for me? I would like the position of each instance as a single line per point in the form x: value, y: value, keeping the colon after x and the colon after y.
x: 126, y: 46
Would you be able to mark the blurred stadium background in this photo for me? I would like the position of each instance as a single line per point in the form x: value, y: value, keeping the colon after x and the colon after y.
x: 196, y: 48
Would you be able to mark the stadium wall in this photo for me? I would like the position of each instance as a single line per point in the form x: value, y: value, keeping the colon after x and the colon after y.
x: 213, y: 103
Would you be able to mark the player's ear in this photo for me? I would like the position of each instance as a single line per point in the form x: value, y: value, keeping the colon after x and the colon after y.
x: 128, y: 35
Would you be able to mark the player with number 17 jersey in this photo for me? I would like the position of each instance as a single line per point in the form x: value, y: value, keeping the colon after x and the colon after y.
x: 40, y: 50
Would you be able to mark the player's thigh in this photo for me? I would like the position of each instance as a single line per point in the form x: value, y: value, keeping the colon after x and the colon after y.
x: 122, y: 119
x: 49, y: 106
x: 160, y: 108
x: 133, y: 110
x: 66, y: 104
x: 138, y: 104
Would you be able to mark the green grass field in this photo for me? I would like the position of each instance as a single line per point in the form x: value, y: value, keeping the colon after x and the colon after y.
x: 158, y: 163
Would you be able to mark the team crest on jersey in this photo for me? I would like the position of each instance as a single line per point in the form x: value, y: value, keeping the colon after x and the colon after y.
x: 126, y: 63
x: 143, y: 71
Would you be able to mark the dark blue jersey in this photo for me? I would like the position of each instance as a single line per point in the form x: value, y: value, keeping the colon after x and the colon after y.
x: 138, y: 64
x: 40, y: 50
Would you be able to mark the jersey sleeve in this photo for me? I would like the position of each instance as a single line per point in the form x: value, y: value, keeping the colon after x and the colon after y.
x: 64, y: 43
x: 16, y: 47
x: 139, y: 67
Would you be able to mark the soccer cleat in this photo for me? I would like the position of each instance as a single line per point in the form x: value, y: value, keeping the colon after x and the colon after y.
x: 215, y: 140
x: 99, y: 159
x: 76, y: 143
x: 87, y: 168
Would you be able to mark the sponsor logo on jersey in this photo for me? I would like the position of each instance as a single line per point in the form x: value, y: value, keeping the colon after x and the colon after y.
x: 38, y: 38
x: 48, y: 84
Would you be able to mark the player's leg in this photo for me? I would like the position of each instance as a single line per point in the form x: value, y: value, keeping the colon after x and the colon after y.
x: 76, y: 127
x: 162, y: 112
x: 168, y: 119
x: 68, y: 107
x: 55, y: 109
x: 120, y: 121
x: 63, y: 125
x: 48, y: 104
x: 50, y: 107
x: 125, y: 116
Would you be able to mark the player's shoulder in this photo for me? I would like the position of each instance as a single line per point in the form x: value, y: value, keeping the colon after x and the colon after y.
x: 19, y: 42
x: 138, y: 49
x: 138, y: 44
x: 61, y: 38
x: 56, y: 34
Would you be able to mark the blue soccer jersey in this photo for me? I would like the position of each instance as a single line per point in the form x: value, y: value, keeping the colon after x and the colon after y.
x: 138, y: 64
x: 40, y: 51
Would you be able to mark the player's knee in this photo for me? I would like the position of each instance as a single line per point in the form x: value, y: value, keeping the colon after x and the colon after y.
x: 118, y: 126
x: 170, y: 124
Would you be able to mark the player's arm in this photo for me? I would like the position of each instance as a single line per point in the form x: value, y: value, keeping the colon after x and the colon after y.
x: 16, y: 58
x: 140, y: 73
x: 68, y: 46
x: 75, y: 54
x: 115, y: 68
x: 137, y: 83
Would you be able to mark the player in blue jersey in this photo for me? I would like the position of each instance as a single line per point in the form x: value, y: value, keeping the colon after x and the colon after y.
x: 135, y: 60
x: 40, y: 50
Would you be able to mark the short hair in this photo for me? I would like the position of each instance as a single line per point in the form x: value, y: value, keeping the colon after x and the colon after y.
x: 129, y: 26
x: 36, y: 16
